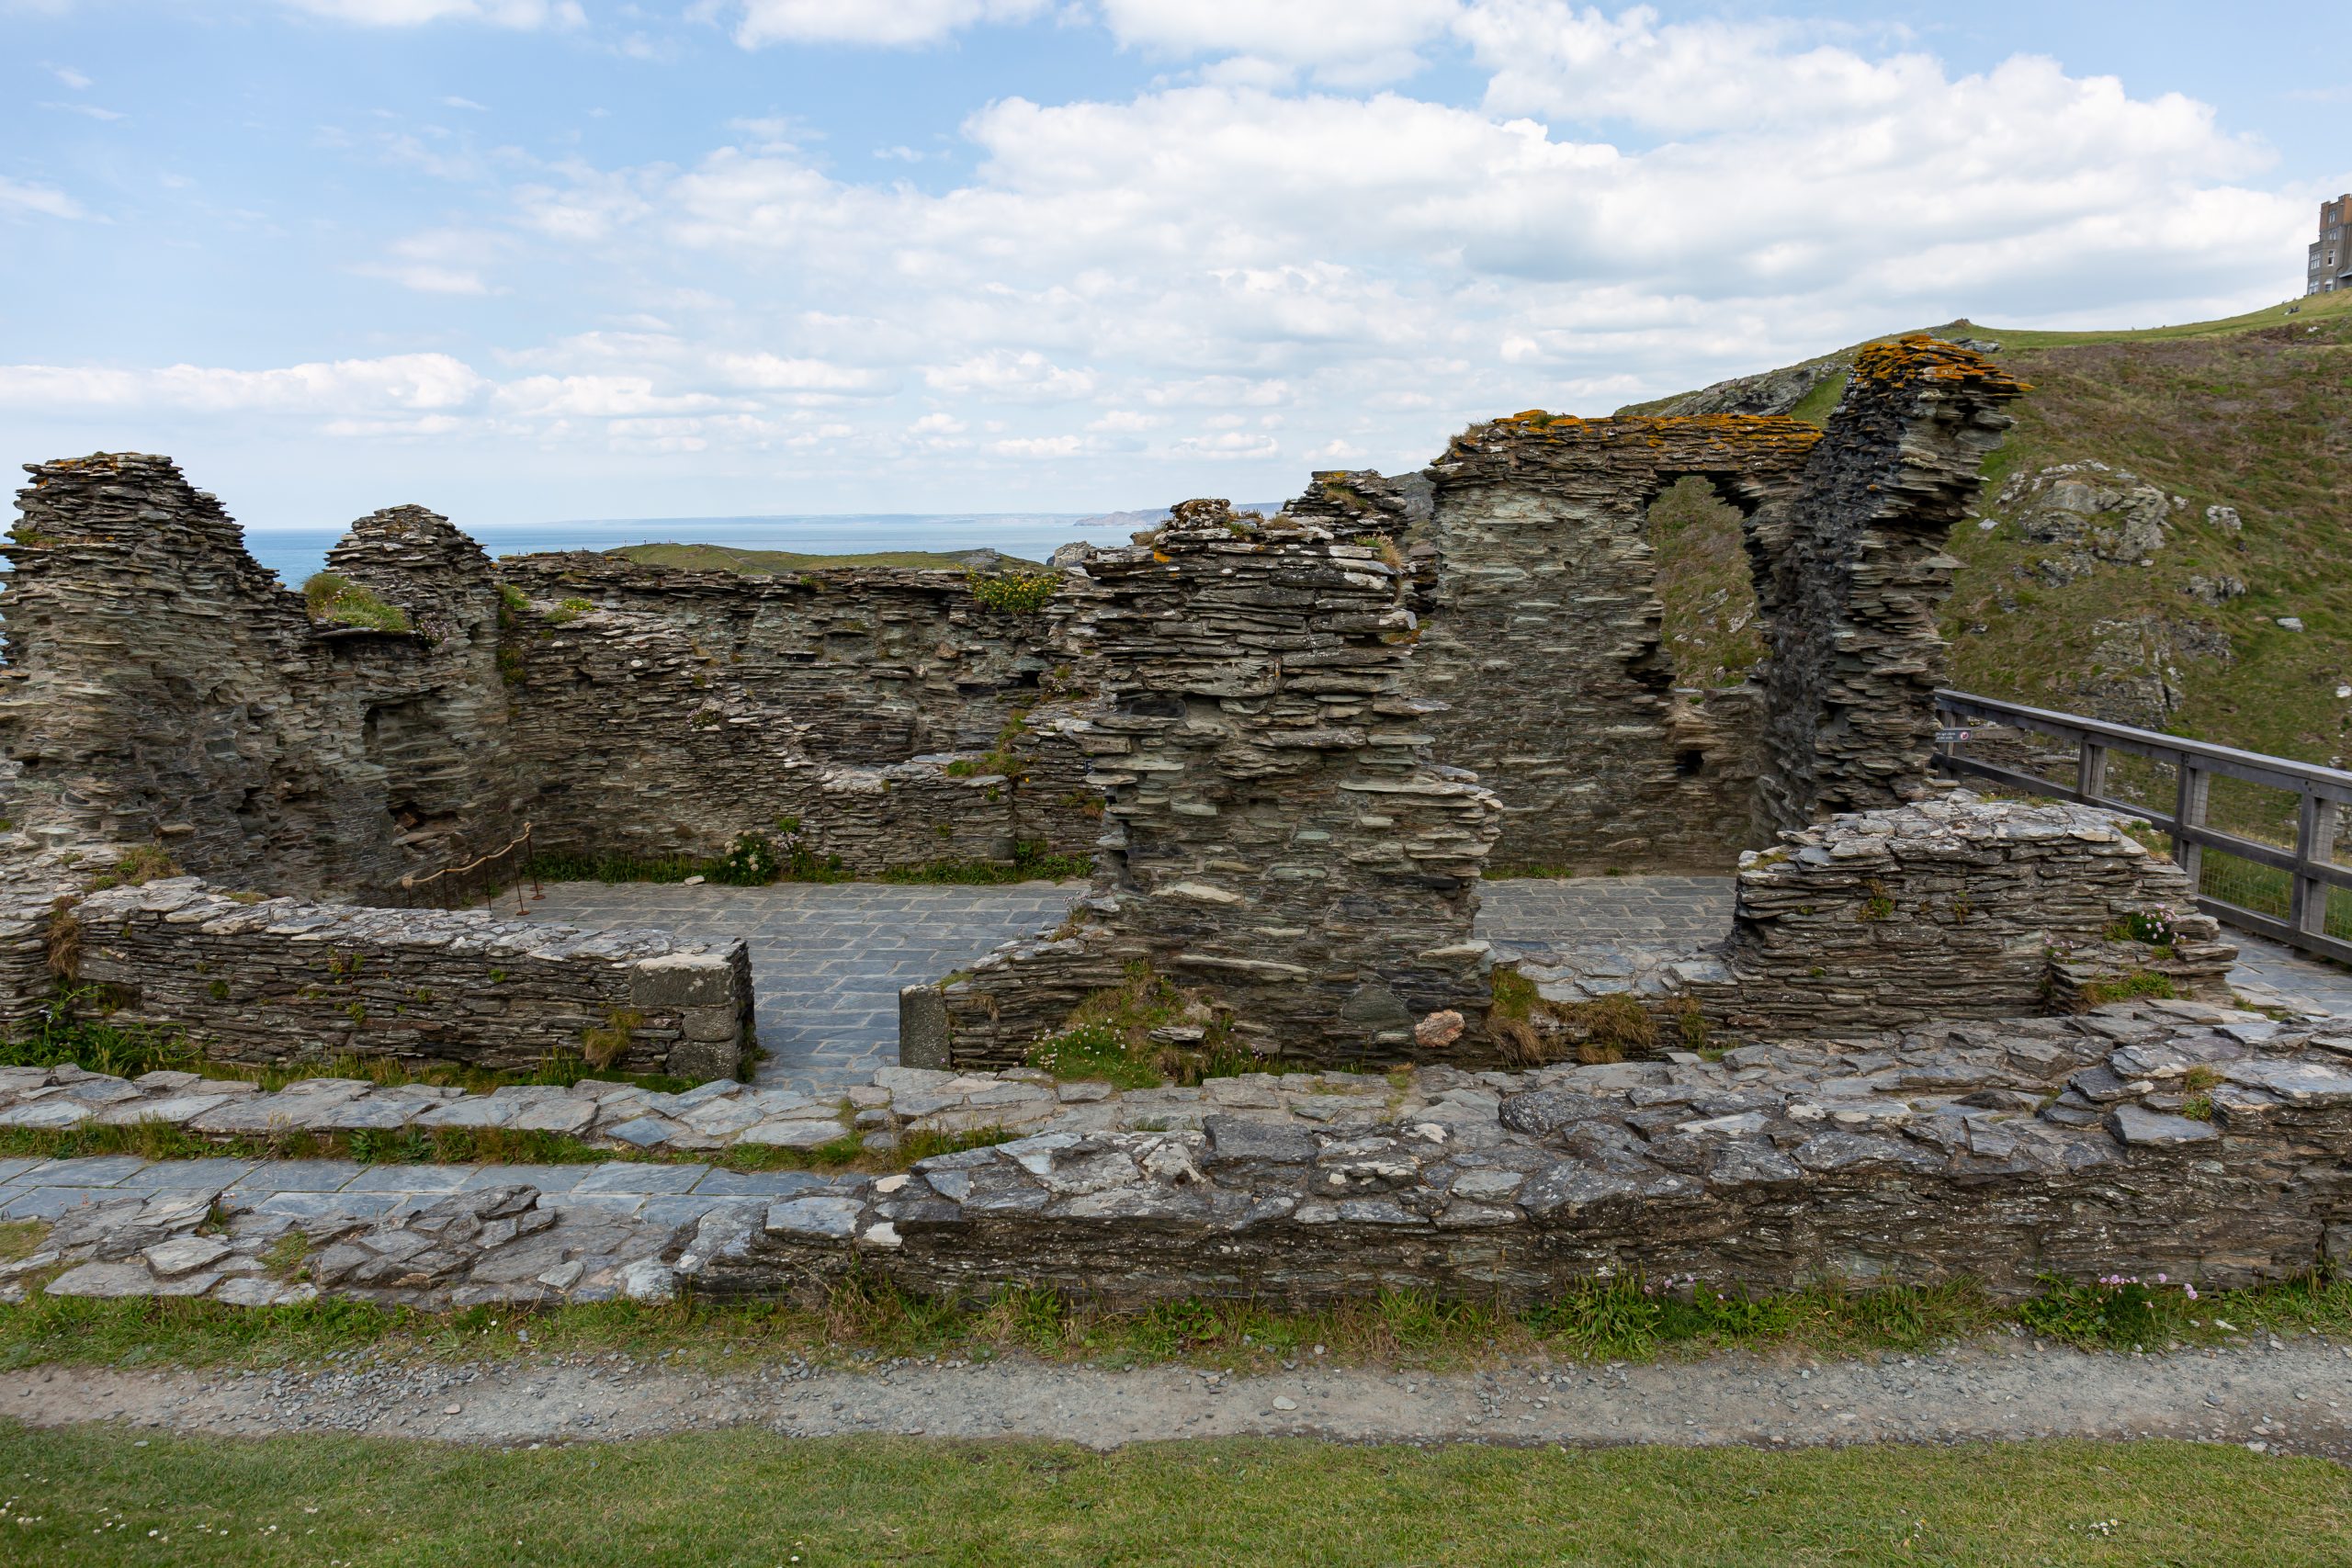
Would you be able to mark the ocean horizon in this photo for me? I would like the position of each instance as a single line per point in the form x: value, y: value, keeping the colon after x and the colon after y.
x: 295, y: 553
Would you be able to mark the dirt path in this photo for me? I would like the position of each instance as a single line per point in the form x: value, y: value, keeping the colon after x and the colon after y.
x: 2287, y: 1397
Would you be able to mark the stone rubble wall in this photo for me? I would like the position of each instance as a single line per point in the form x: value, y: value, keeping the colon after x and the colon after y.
x: 162, y: 687
x: 1850, y: 571
x: 1543, y: 636
x: 1958, y: 908
x: 1924, y: 1160
x: 280, y: 980
x: 1278, y: 838
x: 686, y: 707
x: 1998, y: 1152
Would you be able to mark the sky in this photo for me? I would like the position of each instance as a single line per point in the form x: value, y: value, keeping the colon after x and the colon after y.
x: 526, y: 260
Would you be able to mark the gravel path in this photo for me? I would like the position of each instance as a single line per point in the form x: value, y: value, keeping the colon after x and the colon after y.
x: 2283, y: 1397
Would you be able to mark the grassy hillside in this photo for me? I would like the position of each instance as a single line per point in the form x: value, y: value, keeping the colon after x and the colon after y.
x: 727, y: 557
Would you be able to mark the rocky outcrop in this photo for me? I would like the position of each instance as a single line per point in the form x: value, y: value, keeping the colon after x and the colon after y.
x: 2087, y: 515
x: 1278, y: 838
x: 277, y: 980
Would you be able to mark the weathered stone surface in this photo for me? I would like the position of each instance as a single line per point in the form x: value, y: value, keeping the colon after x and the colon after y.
x: 282, y: 979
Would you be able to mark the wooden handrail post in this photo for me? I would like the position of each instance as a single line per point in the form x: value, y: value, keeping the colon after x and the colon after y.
x: 2190, y: 800
x: 2314, y: 842
x: 2090, y: 770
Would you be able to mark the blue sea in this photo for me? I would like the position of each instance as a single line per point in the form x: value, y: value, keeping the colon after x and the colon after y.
x: 295, y: 553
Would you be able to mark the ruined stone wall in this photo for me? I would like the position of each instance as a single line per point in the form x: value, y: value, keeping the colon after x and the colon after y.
x: 162, y: 687
x: 1544, y: 639
x: 1850, y: 569
x: 1278, y: 836
x: 1987, y: 1153
x: 1958, y: 908
x: 280, y: 980
x: 884, y: 710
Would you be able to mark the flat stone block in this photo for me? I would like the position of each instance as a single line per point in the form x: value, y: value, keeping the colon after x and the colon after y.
x: 300, y: 1176
x: 681, y: 980
x: 326, y: 1206
x: 547, y: 1179
x: 47, y: 1203
x: 88, y: 1170
x: 172, y: 1175
x: 409, y: 1178
x: 639, y: 1176
x: 724, y: 1183
x: 10, y: 1169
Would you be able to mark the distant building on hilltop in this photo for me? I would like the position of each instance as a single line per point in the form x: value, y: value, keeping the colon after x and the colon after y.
x: 2331, y: 263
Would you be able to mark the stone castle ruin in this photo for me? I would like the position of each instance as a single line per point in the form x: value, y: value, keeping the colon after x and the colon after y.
x: 1292, y: 746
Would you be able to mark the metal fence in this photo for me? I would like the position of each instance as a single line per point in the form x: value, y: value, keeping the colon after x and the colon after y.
x: 478, y: 881
x: 2299, y: 884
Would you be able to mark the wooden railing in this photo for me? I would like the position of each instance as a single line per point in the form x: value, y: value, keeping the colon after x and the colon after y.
x: 481, y: 878
x: 2321, y: 794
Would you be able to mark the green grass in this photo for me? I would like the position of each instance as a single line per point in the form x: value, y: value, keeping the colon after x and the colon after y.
x: 726, y: 558
x: 334, y: 598
x: 865, y: 1317
x: 87, y: 1496
x: 1712, y: 626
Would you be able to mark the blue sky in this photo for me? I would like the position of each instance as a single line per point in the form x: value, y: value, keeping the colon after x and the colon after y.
x: 534, y: 259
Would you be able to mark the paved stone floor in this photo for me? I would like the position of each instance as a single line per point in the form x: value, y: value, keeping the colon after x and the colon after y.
x: 828, y: 959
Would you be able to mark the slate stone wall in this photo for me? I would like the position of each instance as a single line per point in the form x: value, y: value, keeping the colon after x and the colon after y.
x: 1992, y: 1153
x: 1957, y: 908
x: 1279, y: 836
x: 162, y: 687
x: 1850, y: 569
x: 281, y: 980
x: 679, y: 709
x: 1543, y: 637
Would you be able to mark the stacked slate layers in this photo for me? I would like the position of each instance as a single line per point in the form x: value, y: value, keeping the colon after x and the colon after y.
x: 885, y: 713
x: 1850, y: 569
x: 1544, y: 643
x: 165, y: 688
x: 1958, y: 908
x: 280, y: 980
x: 1278, y: 839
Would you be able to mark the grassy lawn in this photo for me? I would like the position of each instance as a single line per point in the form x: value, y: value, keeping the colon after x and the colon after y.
x: 89, y: 1495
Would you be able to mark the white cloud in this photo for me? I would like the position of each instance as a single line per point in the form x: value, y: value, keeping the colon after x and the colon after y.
x: 1352, y: 40
x: 884, y: 22
x: 524, y: 15
x: 440, y: 261
x: 67, y: 74
x: 1002, y: 373
x: 17, y: 196
x: 457, y: 103
x: 405, y: 382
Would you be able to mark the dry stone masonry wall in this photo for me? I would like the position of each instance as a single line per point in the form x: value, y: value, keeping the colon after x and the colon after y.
x: 2205, y: 1143
x: 1277, y: 835
x: 887, y: 712
x: 278, y: 980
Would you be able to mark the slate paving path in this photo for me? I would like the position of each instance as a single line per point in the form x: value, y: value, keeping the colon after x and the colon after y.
x: 828, y: 958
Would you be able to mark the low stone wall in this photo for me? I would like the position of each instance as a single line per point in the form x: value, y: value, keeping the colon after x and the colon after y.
x: 2204, y: 1143
x: 280, y: 979
x: 1959, y: 907
x: 2174, y: 1138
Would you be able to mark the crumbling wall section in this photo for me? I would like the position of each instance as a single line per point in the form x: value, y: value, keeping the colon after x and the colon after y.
x: 280, y: 980
x: 163, y: 688
x: 1544, y: 637
x: 886, y: 713
x: 1278, y: 836
x: 1850, y: 571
